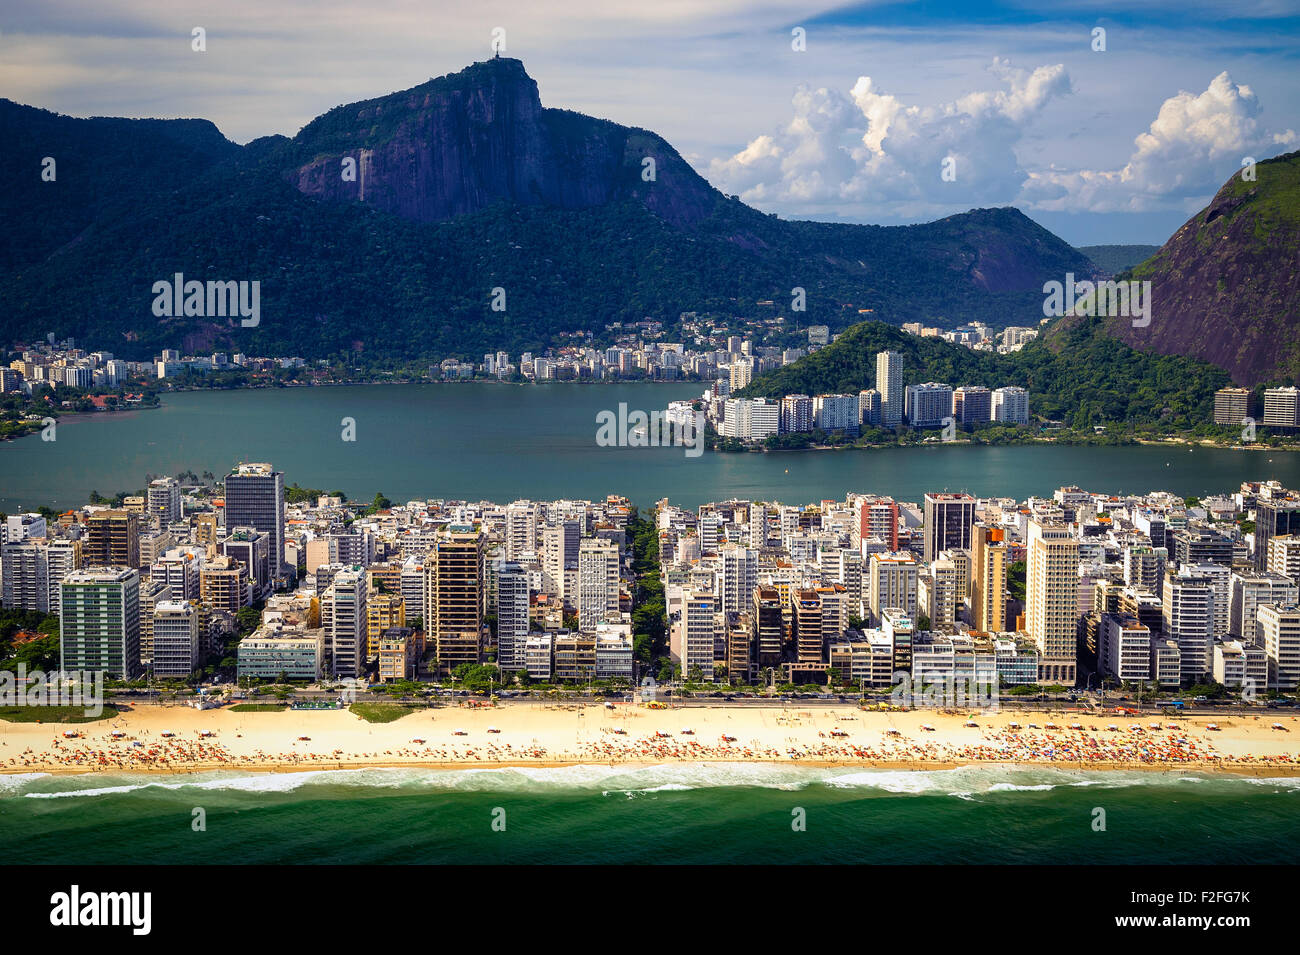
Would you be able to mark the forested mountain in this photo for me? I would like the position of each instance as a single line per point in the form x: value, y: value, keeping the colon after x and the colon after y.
x: 462, y: 185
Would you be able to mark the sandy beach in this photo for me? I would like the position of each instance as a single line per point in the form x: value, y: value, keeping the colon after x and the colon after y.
x: 179, y: 739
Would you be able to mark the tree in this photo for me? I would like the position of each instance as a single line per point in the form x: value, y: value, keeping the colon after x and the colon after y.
x: 248, y: 619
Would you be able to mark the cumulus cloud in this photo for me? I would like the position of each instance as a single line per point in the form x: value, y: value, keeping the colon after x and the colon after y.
x: 868, y: 154
x: 866, y: 147
x: 1190, y: 147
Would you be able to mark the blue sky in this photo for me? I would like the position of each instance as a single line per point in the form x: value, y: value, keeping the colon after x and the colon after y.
x: 1012, y: 99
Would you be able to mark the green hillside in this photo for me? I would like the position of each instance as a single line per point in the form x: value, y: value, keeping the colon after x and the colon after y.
x: 1080, y: 376
x: 1113, y: 259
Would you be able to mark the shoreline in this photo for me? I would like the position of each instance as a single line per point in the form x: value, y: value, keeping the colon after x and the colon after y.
x: 1212, y: 768
x: 180, y: 741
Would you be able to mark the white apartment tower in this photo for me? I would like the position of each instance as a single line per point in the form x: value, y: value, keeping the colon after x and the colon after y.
x: 597, y: 583
x: 1051, y: 600
x: 889, y: 382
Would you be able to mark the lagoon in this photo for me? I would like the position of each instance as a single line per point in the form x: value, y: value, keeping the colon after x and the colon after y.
x: 501, y: 442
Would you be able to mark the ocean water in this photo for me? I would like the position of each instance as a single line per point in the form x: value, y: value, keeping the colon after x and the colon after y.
x: 697, y: 813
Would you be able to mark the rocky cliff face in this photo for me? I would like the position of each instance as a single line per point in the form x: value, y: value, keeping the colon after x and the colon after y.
x: 463, y: 142
x: 1226, y: 286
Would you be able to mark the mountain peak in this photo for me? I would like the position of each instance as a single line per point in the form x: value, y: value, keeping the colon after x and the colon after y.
x: 462, y: 142
x: 1223, y: 287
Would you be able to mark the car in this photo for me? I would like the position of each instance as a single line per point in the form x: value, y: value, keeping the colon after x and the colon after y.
x: 729, y: 697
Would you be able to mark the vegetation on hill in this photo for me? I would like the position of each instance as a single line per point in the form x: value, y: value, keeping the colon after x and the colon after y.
x: 1225, y: 287
x: 136, y: 202
x: 1081, y: 376
x: 1113, y: 259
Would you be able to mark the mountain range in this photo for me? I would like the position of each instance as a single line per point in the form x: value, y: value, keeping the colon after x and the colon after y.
x: 383, y: 228
x: 458, y: 186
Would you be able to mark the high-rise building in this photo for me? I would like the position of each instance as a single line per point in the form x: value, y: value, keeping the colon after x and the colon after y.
x: 1252, y: 590
x: 384, y: 611
x: 512, y: 616
x: 796, y: 414
x: 255, y: 498
x: 869, y: 407
x: 1221, y: 577
x: 252, y: 549
x: 152, y: 593
x: 163, y: 499
x: 523, y: 518
x: 560, y: 556
x: 223, y: 585
x: 22, y: 527
x: 889, y: 383
x: 179, y: 569
x: 927, y: 404
x: 769, y: 627
x: 1187, y: 618
x: 1010, y: 405
x: 1281, y: 636
x: 837, y: 413
x: 877, y: 519
x: 1281, y: 407
x: 1275, y: 516
x: 809, y: 626
x: 25, y: 575
x: 750, y: 419
x: 597, y: 583
x: 1201, y: 545
x: 344, y: 610
x: 175, y: 639
x: 62, y: 558
x: 100, y: 625
x: 758, y: 527
x: 1231, y: 406
x: 112, y: 539
x: 988, y: 589
x: 737, y: 573
x: 696, y: 629
x: 1284, y: 556
x: 1052, y: 600
x: 891, y: 582
x: 453, y: 597
x: 948, y: 521
x: 742, y: 373
x: 1144, y: 567
x: 412, y: 589
x: 939, y: 593
x: 206, y: 528
x: 1124, y: 649
x: 972, y: 404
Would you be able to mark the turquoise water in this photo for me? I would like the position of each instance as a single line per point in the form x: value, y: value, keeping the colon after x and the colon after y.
x: 710, y: 813
x: 502, y: 442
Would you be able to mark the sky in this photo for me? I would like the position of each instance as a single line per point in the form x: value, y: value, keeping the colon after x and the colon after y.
x: 880, y: 112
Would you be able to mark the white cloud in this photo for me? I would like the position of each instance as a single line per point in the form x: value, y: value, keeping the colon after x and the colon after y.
x: 868, y: 147
x: 1193, y: 144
